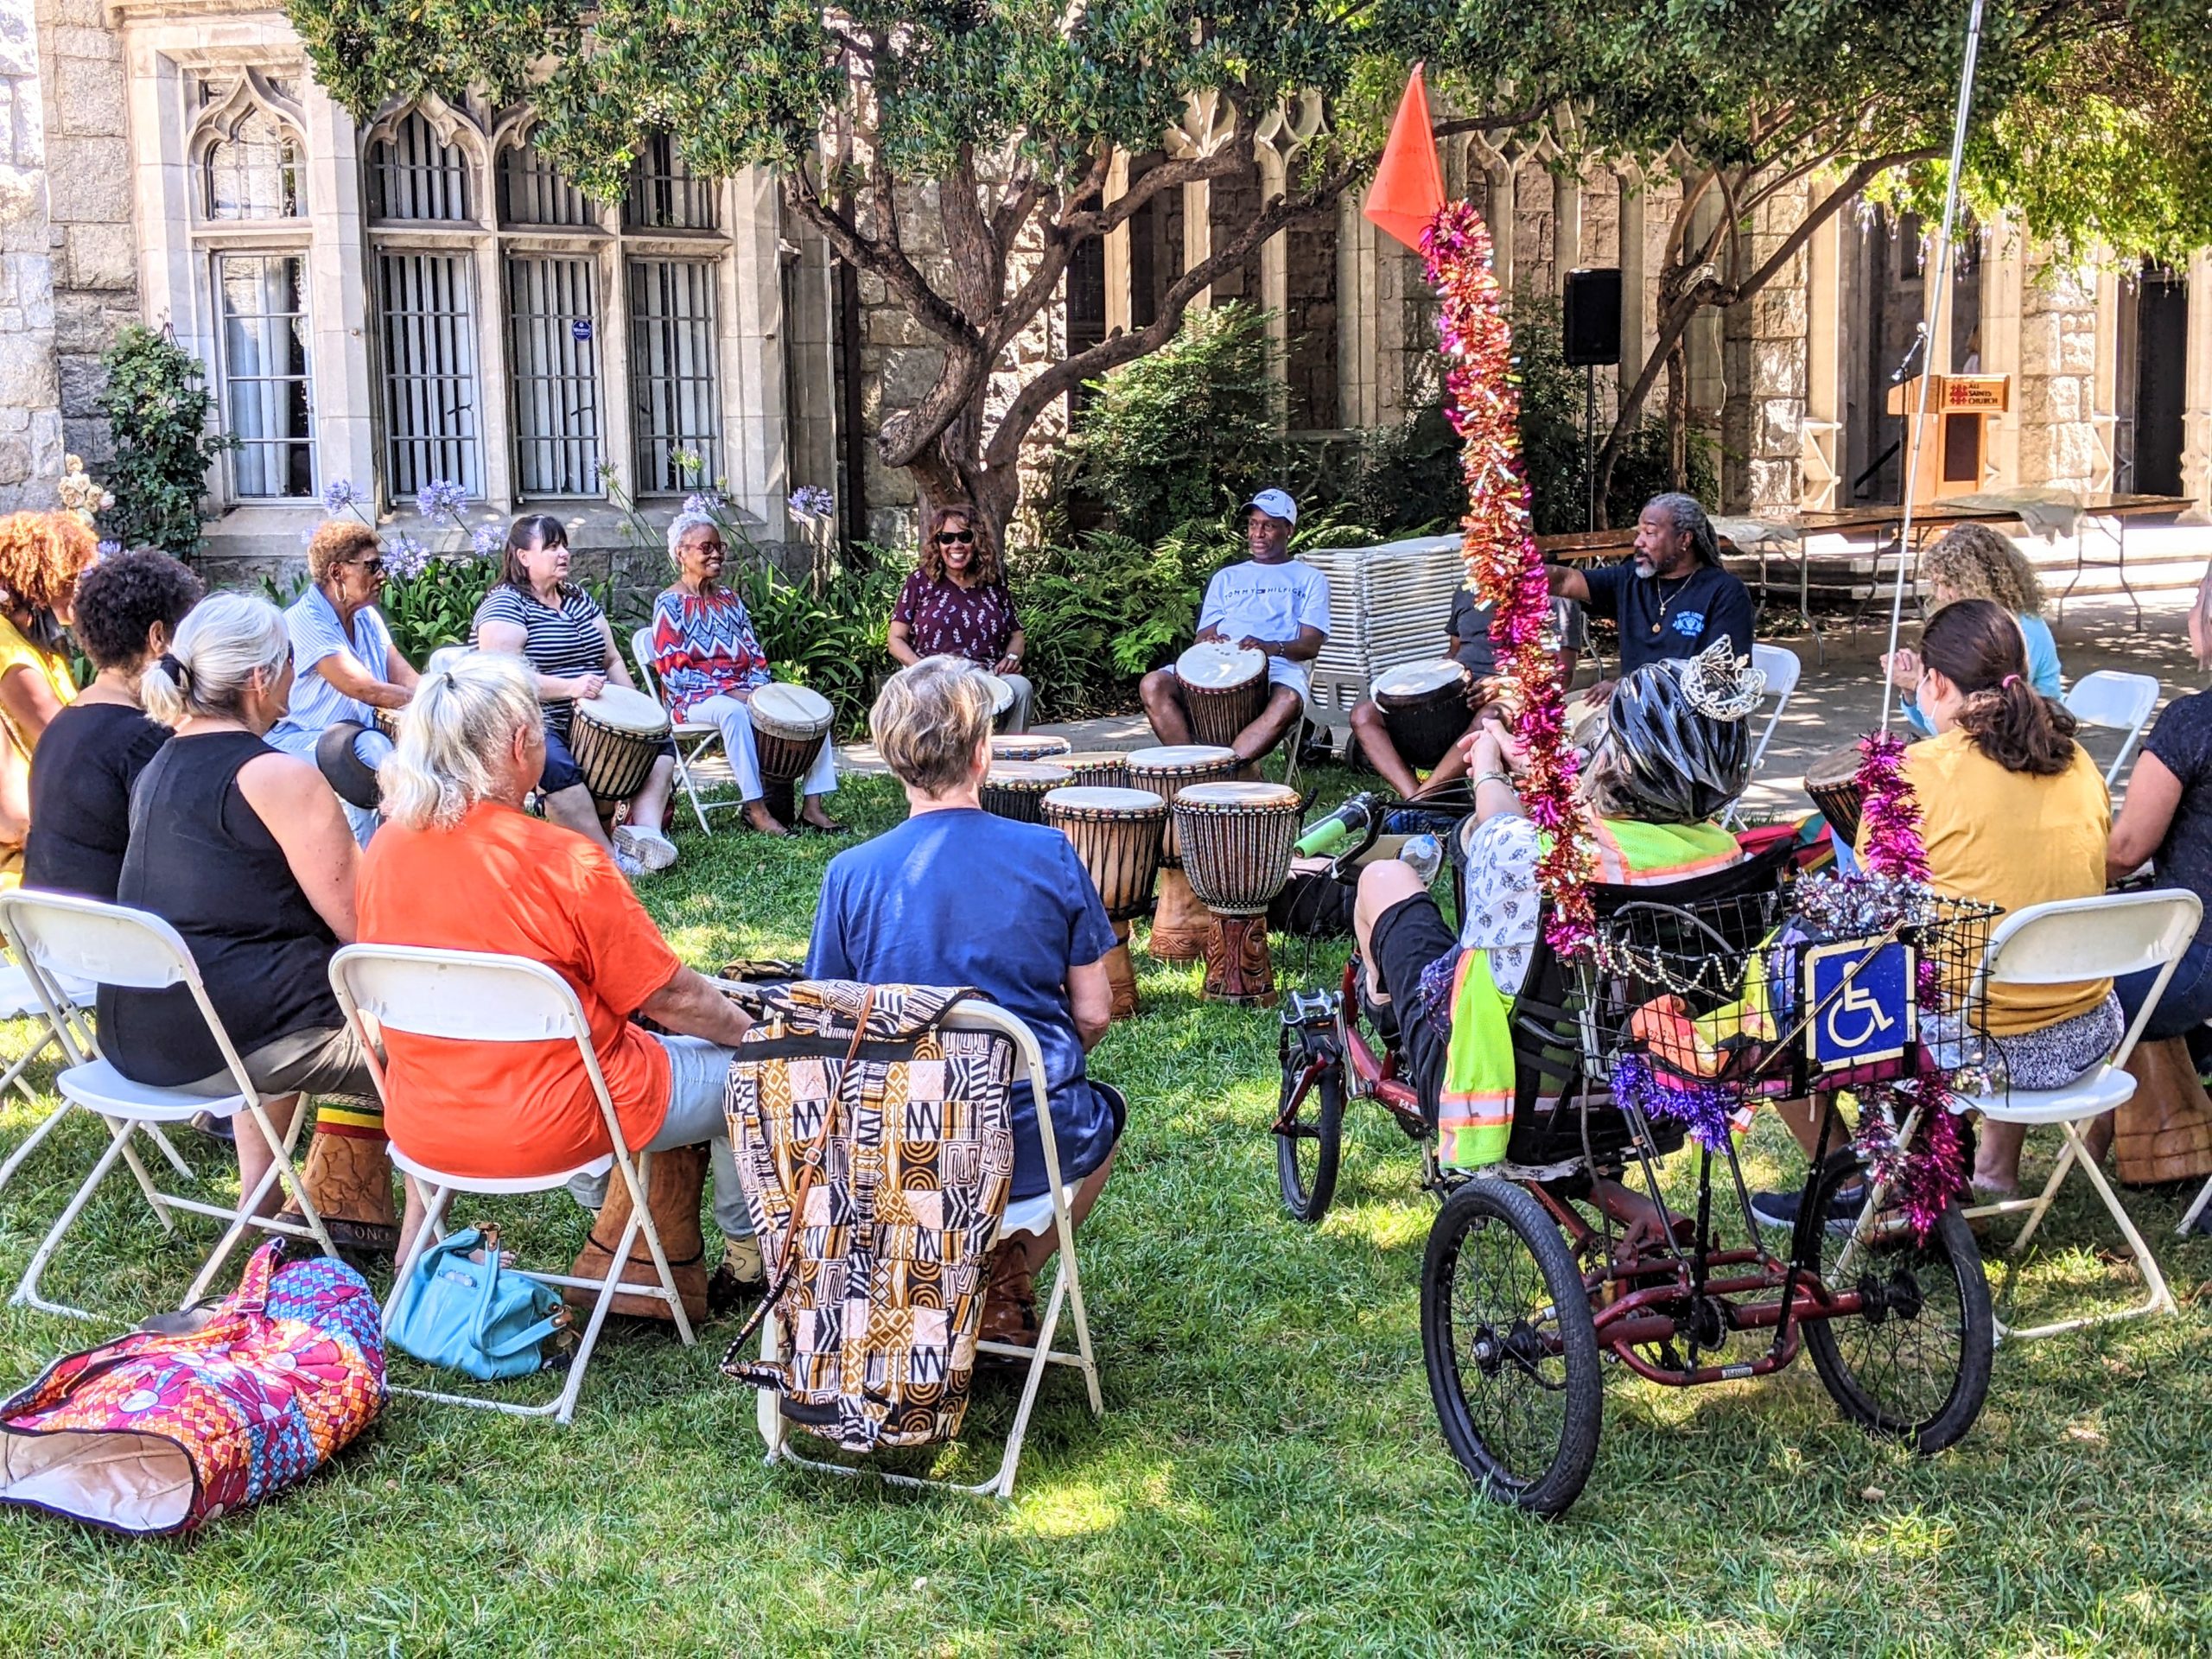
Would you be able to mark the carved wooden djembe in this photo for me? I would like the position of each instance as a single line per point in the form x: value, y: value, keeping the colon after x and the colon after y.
x: 1237, y: 841
x: 1017, y: 789
x: 1116, y: 833
x: 1180, y: 922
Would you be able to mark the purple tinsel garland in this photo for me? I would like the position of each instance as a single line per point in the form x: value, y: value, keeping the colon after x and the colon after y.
x: 1703, y: 1109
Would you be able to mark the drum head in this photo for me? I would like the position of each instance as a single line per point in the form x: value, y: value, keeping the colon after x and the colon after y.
x: 1410, y: 680
x: 1830, y: 770
x: 1098, y: 797
x: 1238, y: 795
x: 1181, y: 756
x: 1001, y: 694
x: 624, y: 710
x: 1213, y: 665
x: 793, y: 708
x: 1034, y: 773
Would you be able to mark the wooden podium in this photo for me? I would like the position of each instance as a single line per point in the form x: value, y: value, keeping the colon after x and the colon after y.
x: 1955, y: 450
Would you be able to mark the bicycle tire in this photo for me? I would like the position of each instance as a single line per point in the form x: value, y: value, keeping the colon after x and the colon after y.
x: 1559, y: 1364
x: 1307, y: 1199
x: 1860, y: 1358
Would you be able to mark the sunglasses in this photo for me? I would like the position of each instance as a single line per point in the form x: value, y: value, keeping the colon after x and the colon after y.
x: 374, y: 566
x: 951, y: 537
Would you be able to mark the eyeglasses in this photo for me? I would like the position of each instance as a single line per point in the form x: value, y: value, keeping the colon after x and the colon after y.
x: 950, y: 537
x: 374, y: 566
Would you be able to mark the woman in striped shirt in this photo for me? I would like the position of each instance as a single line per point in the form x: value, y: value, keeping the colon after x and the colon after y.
x: 537, y: 615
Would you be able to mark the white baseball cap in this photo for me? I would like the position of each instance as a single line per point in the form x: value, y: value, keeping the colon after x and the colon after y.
x: 1276, y: 503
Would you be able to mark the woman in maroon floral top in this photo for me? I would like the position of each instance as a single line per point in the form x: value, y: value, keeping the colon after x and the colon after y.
x: 956, y: 604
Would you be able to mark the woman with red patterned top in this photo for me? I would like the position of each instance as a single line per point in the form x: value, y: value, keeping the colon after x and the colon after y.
x: 711, y: 663
x: 956, y: 604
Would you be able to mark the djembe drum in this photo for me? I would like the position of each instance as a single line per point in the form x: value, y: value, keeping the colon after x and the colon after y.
x: 789, y: 725
x: 1225, y: 688
x: 1116, y: 833
x: 676, y: 1180
x: 387, y: 721
x: 1097, y: 768
x: 1179, y: 923
x: 1027, y: 745
x: 616, y: 737
x: 1237, y: 848
x: 1832, y: 782
x: 1424, y: 707
x: 1017, y: 789
x: 348, y: 1175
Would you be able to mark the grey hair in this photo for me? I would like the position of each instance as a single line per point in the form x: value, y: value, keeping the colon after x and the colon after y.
x: 1685, y: 516
x: 223, y: 642
x: 929, y: 720
x: 683, y: 525
x: 461, y: 719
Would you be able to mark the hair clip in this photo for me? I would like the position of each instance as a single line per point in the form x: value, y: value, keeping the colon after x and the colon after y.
x: 1719, y: 684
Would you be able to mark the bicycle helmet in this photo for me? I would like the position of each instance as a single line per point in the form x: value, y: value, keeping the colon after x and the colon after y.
x: 1677, y: 735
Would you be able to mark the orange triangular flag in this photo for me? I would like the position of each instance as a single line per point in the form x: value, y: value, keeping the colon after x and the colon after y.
x: 1408, y: 184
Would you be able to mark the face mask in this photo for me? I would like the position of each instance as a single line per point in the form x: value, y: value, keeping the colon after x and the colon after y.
x: 1920, y: 701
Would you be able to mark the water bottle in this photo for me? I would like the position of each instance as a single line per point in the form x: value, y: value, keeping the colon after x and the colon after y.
x: 1326, y: 835
x: 1424, y: 853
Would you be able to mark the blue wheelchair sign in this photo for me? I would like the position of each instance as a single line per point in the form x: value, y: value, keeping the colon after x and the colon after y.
x: 1864, y: 1009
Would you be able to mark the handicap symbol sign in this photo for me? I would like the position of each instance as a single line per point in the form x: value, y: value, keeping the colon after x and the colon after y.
x: 1863, y: 1007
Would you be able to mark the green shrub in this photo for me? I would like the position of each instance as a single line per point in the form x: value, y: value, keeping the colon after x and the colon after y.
x: 157, y: 404
x: 837, y: 643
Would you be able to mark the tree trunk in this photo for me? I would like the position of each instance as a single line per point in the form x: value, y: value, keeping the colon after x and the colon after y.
x: 1678, y: 417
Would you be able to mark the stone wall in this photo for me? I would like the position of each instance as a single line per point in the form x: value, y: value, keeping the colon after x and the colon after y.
x: 89, y: 208
x: 1763, y: 363
x: 31, y: 418
x: 2058, y: 361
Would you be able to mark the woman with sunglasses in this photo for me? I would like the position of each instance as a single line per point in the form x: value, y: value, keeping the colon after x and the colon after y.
x: 345, y: 664
x: 956, y: 604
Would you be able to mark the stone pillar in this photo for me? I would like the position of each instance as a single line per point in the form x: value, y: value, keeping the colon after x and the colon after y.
x: 2058, y: 360
x: 2004, y: 271
x: 30, y: 413
x: 2104, y: 381
x: 1635, y: 309
x: 88, y: 205
x: 1821, y: 453
x: 1117, y: 247
x: 1763, y: 357
x: 1359, y: 305
x: 752, y: 344
x: 1197, y: 233
x: 2196, y: 415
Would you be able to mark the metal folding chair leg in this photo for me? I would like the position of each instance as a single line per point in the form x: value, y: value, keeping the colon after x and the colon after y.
x: 2160, y: 1299
x: 27, y: 1291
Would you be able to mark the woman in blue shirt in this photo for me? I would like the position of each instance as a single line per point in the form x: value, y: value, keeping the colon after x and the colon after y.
x: 957, y: 896
x: 1974, y: 562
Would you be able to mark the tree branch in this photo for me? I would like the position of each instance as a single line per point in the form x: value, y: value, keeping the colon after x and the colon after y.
x: 897, y: 272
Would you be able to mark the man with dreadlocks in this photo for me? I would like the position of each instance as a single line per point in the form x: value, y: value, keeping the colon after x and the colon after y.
x: 1672, y: 599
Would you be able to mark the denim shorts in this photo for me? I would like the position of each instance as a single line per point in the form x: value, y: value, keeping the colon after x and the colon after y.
x: 561, y: 769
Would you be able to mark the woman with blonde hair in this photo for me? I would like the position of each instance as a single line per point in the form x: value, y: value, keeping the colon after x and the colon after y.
x: 1974, y: 562
x: 242, y: 849
x: 42, y: 555
x: 956, y: 604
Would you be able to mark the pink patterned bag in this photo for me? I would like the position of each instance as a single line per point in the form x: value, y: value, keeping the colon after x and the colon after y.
x: 198, y: 1413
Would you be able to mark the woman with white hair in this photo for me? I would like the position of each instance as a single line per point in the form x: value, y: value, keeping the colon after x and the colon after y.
x: 711, y: 663
x: 242, y: 849
x: 536, y: 613
x: 459, y: 866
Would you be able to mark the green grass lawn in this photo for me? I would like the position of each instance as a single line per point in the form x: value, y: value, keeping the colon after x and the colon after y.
x: 1268, y: 1476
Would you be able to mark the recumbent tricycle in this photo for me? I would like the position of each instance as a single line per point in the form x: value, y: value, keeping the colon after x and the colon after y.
x: 1538, y: 1266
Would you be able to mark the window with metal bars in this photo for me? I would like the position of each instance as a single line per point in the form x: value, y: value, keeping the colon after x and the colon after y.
x: 414, y: 174
x: 675, y: 388
x: 428, y: 316
x: 252, y: 173
x: 553, y: 350
x: 265, y: 373
x: 666, y: 195
x: 532, y: 191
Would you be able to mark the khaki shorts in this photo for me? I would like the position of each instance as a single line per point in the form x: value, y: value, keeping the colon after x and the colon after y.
x: 318, y: 1062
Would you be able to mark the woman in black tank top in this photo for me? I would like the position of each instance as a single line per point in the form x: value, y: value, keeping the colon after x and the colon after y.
x: 244, y: 852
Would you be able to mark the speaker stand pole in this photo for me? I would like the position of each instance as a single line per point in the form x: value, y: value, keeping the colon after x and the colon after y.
x: 1589, y: 425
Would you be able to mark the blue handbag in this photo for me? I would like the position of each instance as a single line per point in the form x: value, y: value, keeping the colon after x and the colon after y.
x: 475, y: 1315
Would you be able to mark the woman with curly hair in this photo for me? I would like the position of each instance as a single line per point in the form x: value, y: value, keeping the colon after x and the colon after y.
x: 42, y: 555
x: 956, y: 604
x: 127, y: 612
x: 1974, y: 562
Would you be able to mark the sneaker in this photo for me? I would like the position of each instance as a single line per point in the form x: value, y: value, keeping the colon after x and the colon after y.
x: 629, y: 866
x: 1779, y: 1209
x: 649, y: 847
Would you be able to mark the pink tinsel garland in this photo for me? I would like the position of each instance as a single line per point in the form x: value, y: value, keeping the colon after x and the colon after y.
x: 1503, y: 568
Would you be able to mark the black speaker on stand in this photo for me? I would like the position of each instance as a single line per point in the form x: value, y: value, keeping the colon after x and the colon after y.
x: 1592, y: 335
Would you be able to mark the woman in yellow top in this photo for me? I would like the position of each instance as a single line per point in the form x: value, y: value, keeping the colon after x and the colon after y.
x: 42, y: 555
x: 2013, y: 812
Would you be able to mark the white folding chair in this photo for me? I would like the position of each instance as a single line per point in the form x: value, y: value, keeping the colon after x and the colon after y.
x: 700, y: 735
x: 59, y: 939
x: 2120, y: 701
x: 1782, y: 668
x: 2070, y: 940
x: 1067, y: 1287
x: 468, y: 996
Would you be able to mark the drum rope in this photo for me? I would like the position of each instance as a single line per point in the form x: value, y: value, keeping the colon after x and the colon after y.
x: 1938, y: 318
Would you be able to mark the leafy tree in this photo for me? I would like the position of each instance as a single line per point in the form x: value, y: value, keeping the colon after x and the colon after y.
x: 157, y: 404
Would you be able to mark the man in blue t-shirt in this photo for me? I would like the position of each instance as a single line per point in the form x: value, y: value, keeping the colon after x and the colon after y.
x: 1672, y: 599
x: 957, y: 896
x: 1271, y: 603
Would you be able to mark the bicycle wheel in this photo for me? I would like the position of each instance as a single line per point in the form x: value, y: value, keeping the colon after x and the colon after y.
x: 1308, y: 1146
x: 1913, y: 1364
x: 1512, y: 1356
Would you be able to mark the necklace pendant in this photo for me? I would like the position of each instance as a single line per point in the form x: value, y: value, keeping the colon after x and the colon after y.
x: 1654, y: 630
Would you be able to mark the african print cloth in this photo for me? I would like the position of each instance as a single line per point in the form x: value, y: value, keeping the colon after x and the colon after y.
x: 163, y: 1430
x: 890, y: 1263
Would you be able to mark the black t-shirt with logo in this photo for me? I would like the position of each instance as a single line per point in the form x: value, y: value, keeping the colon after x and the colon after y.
x: 2183, y: 740
x: 1663, y: 619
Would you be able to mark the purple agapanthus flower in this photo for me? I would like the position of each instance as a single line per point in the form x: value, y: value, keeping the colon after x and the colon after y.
x: 107, y: 549
x: 709, y: 502
x: 340, y: 495
x: 486, y: 540
x: 406, y: 557
x: 811, y: 501
x: 441, y: 499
